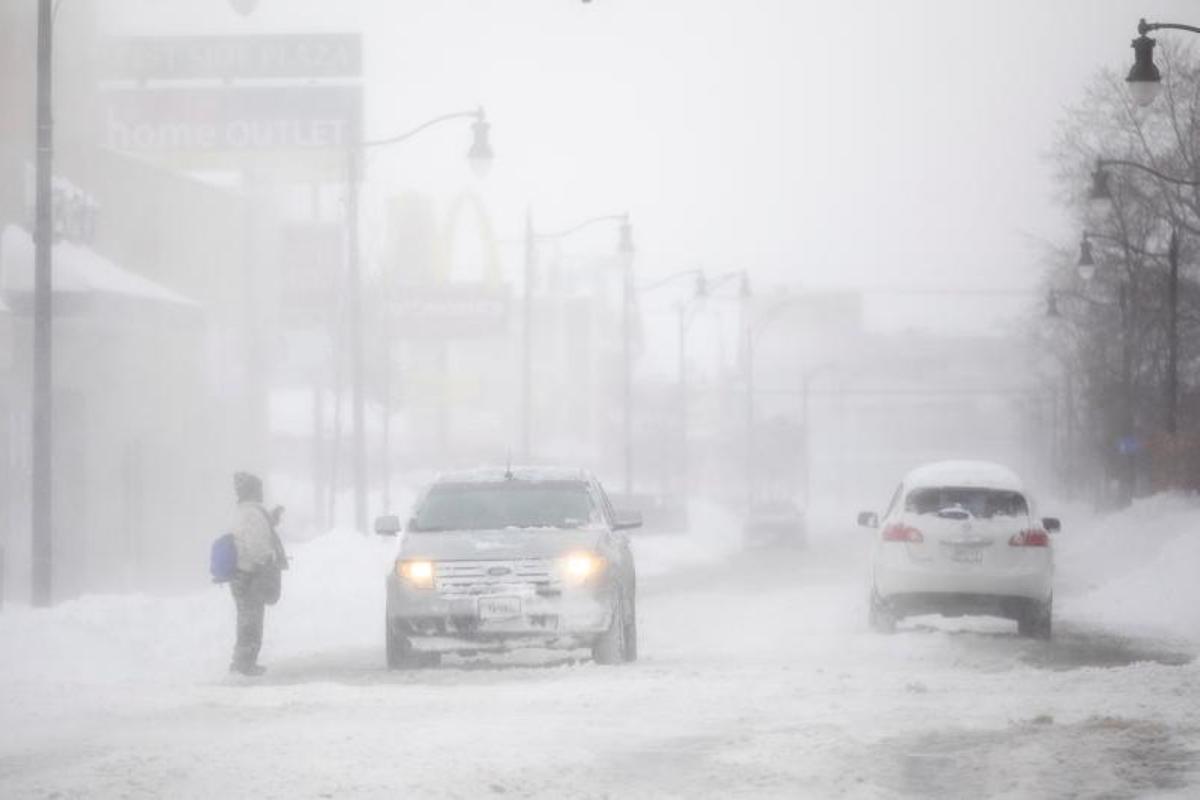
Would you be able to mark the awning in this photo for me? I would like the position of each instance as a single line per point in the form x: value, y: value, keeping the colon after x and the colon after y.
x: 77, y: 270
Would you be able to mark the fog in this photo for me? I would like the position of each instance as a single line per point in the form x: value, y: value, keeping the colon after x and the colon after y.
x: 748, y: 264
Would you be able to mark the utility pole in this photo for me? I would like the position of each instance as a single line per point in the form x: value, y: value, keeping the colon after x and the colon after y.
x: 1173, y: 334
x: 358, y: 445
x: 43, y: 408
x: 626, y: 250
x: 627, y: 376
x: 683, y: 400
x: 749, y: 362
x: 527, y: 338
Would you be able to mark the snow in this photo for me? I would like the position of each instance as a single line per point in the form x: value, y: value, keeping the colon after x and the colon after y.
x: 524, y: 473
x: 1137, y: 569
x: 76, y: 269
x: 965, y: 474
x: 757, y: 678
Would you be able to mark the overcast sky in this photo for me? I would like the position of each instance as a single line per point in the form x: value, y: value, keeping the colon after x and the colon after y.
x: 860, y: 142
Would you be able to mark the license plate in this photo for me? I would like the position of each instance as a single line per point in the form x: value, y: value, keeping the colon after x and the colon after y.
x: 967, y: 555
x: 499, y: 607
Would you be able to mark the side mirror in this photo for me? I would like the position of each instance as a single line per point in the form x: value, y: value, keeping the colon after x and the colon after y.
x: 868, y: 519
x: 626, y: 520
x: 387, y: 525
x: 1051, y: 524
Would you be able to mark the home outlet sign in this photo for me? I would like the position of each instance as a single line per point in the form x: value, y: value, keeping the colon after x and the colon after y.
x: 205, y: 94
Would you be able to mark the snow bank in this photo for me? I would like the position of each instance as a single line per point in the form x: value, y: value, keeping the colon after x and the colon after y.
x: 1137, y: 569
x: 333, y: 600
x: 333, y: 597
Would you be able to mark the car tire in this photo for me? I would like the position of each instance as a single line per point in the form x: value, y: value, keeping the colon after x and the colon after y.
x: 631, y: 635
x: 880, y: 618
x: 400, y: 652
x: 1036, y: 622
x: 611, y: 646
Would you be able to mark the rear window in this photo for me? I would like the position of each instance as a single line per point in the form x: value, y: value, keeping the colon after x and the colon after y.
x: 981, y: 503
x: 505, y: 504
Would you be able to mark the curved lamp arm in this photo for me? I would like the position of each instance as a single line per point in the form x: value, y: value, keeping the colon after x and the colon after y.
x: 587, y: 223
x: 674, y: 276
x: 476, y: 114
x: 1146, y: 27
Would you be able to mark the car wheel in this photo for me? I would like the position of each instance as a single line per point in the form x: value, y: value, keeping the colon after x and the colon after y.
x: 880, y: 618
x: 400, y: 652
x: 1037, y: 620
x: 610, y: 647
x: 631, y: 635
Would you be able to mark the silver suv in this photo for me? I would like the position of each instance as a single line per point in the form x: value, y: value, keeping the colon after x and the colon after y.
x: 498, y: 559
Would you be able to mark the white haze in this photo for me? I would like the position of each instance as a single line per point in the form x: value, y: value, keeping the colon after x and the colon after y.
x: 879, y: 173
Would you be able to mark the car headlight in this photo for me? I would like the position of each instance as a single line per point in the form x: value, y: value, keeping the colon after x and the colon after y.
x: 418, y: 573
x: 582, y: 567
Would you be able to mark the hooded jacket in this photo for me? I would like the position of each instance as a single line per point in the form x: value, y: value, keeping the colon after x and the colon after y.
x: 252, y: 536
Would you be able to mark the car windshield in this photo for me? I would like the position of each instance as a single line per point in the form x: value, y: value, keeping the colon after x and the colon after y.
x: 980, y: 502
x: 507, y: 504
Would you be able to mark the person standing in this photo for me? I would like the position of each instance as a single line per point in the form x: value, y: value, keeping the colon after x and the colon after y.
x: 260, y: 558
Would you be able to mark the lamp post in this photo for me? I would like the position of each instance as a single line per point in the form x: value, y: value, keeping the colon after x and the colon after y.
x: 701, y: 291
x: 532, y: 239
x: 750, y: 342
x: 1144, y: 79
x: 626, y: 249
x: 806, y: 452
x: 42, y: 413
x: 480, y: 156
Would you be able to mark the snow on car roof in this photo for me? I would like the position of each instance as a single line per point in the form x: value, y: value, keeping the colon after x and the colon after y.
x: 497, y: 474
x: 965, y: 473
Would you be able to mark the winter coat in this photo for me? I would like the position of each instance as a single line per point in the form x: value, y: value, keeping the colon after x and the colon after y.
x: 252, y: 537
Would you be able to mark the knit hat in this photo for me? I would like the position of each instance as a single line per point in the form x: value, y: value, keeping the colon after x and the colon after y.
x: 247, y: 487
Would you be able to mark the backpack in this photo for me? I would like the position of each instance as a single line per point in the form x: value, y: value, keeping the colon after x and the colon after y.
x: 222, y: 560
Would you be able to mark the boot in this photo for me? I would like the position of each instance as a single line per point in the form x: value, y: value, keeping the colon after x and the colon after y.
x: 250, y: 670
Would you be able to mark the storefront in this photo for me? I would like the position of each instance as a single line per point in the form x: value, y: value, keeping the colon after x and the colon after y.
x: 132, y: 422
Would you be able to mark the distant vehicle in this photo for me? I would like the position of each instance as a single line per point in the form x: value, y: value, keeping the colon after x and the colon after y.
x: 661, y: 513
x: 778, y: 523
x: 499, y: 559
x: 960, y: 538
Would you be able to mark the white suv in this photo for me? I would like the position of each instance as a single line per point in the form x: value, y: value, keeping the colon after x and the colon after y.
x: 958, y: 538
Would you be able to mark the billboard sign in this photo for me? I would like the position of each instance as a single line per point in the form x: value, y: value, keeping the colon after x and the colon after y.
x: 219, y: 118
x: 175, y: 58
x: 450, y: 311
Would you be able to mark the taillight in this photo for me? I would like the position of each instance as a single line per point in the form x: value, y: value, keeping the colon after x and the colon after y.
x: 899, y: 532
x: 1033, y: 537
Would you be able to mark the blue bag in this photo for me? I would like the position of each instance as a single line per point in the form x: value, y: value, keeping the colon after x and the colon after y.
x: 222, y: 561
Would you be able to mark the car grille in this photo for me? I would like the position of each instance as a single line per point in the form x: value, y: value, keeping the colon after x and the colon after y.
x: 525, y: 576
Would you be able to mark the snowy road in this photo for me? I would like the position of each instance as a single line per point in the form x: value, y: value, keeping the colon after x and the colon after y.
x: 758, y: 678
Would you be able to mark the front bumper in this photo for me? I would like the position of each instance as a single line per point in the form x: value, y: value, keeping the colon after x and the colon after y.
x: 555, y: 617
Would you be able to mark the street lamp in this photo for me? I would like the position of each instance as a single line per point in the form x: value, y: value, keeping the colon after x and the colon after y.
x: 480, y: 157
x: 701, y: 290
x: 1144, y: 79
x: 749, y: 342
x: 532, y: 239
